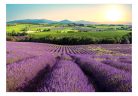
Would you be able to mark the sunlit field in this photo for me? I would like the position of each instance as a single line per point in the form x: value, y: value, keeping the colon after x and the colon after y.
x: 84, y: 53
x: 42, y: 67
x: 70, y: 34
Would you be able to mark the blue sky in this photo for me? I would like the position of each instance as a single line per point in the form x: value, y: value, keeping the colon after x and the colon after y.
x: 88, y: 12
x: 18, y: 11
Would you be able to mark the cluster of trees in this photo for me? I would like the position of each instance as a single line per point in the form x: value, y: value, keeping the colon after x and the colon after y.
x: 11, y: 25
x: 125, y: 28
x: 46, y: 30
x: 24, y: 32
x: 74, y: 24
x: 43, y: 30
x: 13, y: 33
x: 126, y: 39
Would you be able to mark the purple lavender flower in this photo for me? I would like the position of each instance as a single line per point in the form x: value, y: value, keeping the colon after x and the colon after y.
x: 107, y: 77
x: 119, y: 65
x: 100, y: 67
x: 20, y: 73
x: 66, y: 76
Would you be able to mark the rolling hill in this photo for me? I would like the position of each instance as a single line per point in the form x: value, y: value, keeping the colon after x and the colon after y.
x: 40, y: 21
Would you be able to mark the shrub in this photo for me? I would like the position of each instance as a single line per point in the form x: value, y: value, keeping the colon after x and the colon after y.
x: 127, y: 39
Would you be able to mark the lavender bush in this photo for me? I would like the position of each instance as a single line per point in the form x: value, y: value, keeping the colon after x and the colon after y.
x: 20, y: 73
x: 112, y: 79
x: 66, y: 76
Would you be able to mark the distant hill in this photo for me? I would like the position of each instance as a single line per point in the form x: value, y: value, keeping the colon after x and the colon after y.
x: 85, y: 22
x: 36, y: 21
x: 40, y: 21
x: 46, y: 21
x: 65, y: 22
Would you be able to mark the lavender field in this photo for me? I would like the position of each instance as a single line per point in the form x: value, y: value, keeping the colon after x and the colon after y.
x: 43, y: 67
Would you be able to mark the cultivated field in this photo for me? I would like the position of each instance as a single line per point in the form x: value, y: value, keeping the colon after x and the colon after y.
x: 70, y: 34
x: 43, y: 67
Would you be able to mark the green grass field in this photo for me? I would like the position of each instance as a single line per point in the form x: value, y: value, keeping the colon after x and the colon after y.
x: 99, y: 35
x: 65, y: 34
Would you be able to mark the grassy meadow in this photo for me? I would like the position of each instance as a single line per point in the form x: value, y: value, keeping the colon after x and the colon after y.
x: 70, y: 34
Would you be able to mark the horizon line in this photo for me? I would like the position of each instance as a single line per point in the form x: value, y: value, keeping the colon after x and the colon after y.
x: 72, y: 21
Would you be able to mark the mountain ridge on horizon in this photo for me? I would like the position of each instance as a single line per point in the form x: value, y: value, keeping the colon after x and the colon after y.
x: 46, y: 21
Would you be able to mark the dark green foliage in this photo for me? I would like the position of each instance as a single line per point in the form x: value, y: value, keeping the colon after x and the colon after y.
x: 78, y: 41
x: 25, y: 29
x: 127, y: 39
x: 46, y: 30
x: 13, y: 33
x: 18, y: 38
x: 38, y: 30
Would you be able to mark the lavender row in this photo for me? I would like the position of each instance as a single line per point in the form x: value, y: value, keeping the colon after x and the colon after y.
x: 19, y: 74
x: 107, y: 77
x: 122, y: 66
x: 18, y: 51
x: 122, y: 48
x: 120, y: 62
x: 66, y: 76
x: 79, y: 49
